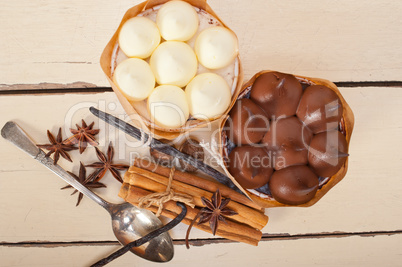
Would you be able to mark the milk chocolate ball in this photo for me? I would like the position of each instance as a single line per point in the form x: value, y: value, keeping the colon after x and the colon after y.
x: 248, y: 123
x: 288, y: 139
x: 327, y: 153
x: 320, y: 109
x: 288, y: 157
x: 293, y: 185
x: 278, y: 94
x: 287, y: 133
x: 250, y: 166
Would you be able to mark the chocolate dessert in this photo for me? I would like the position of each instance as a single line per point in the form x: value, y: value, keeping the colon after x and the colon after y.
x: 249, y: 122
x: 294, y: 185
x: 251, y: 166
x: 278, y: 94
x: 290, y: 139
x: 327, y: 153
x: 320, y: 109
x: 301, y: 134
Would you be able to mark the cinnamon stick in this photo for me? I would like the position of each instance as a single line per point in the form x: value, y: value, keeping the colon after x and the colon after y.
x: 157, y: 183
x: 194, y: 180
x: 124, y: 190
x: 232, y: 230
x: 205, y: 228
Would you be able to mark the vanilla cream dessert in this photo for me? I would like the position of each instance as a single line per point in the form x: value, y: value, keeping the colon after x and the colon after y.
x: 208, y: 96
x: 134, y: 78
x: 177, y: 21
x: 168, y: 106
x: 173, y: 63
x: 216, y: 47
x: 139, y: 37
x: 167, y: 55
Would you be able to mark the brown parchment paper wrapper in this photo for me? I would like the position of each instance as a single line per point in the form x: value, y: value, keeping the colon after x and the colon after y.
x: 136, y: 119
x: 347, y: 124
x: 208, y: 137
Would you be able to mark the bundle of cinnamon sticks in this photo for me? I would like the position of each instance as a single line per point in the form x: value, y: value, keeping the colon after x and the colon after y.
x: 145, y: 177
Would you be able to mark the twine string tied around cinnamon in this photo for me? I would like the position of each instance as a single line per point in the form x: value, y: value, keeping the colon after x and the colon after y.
x: 160, y: 198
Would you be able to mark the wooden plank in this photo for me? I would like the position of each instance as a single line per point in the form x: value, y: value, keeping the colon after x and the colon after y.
x: 33, y: 208
x: 60, y: 43
x: 350, y: 251
x: 47, y: 86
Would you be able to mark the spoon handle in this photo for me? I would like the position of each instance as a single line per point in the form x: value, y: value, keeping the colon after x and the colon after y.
x: 145, y: 238
x: 13, y: 133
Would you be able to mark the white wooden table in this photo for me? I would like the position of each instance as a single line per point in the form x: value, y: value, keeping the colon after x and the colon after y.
x: 49, y: 74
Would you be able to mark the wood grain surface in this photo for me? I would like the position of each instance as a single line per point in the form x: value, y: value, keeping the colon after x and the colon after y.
x: 50, y: 75
x: 349, y: 251
x: 59, y: 42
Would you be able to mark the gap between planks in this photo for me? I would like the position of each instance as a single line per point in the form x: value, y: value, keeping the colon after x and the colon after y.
x: 204, y: 241
x: 65, y: 89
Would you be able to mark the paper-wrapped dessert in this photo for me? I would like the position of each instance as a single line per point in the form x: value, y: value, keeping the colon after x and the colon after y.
x: 173, y: 65
x: 286, y: 139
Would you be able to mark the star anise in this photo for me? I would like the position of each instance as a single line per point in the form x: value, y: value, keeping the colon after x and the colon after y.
x: 83, y: 135
x: 86, y: 181
x: 106, y: 164
x: 213, y: 212
x: 57, y: 147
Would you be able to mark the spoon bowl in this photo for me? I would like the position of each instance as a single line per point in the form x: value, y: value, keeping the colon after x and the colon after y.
x: 129, y: 222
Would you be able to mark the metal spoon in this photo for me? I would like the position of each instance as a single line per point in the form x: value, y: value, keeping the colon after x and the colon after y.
x: 129, y: 222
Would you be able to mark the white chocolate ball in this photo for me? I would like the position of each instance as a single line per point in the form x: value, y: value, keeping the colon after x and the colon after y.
x: 138, y: 37
x: 216, y: 47
x: 208, y: 96
x: 134, y: 78
x: 174, y: 63
x: 168, y: 106
x: 177, y: 21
